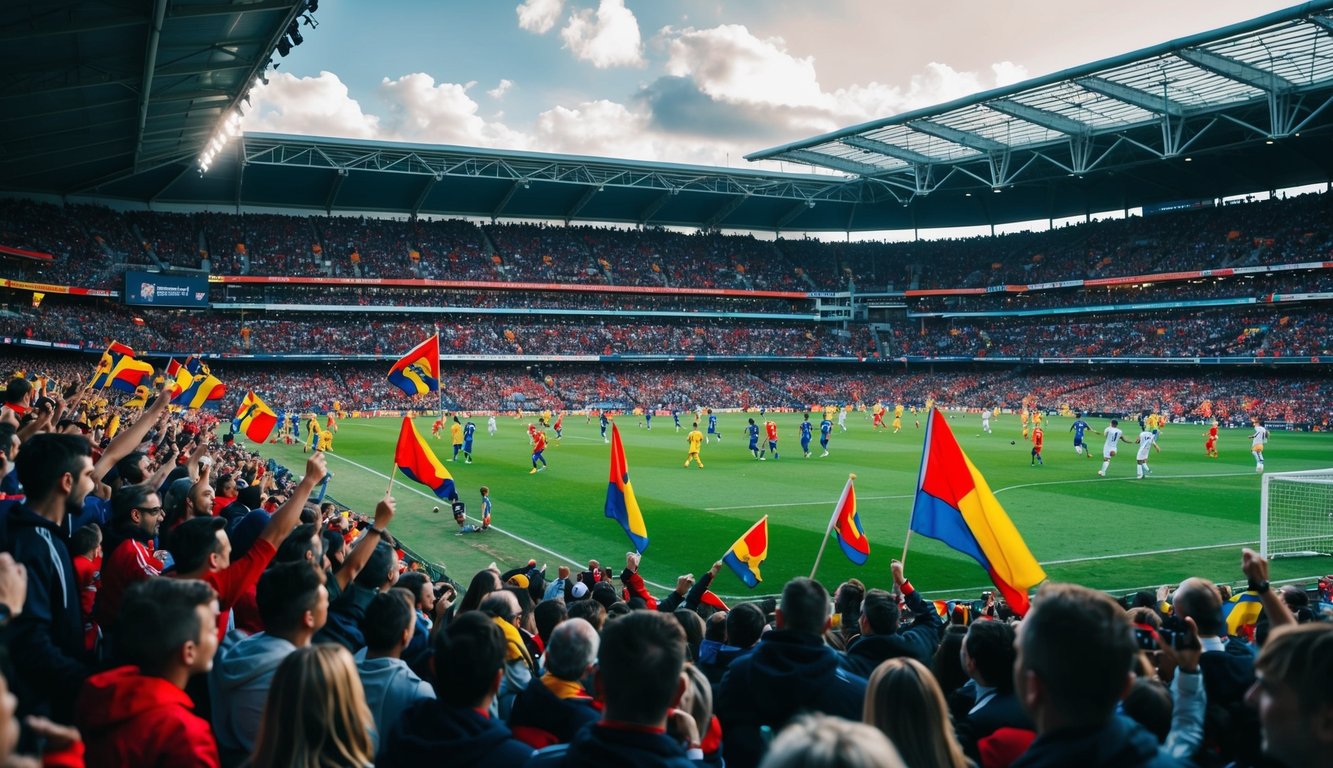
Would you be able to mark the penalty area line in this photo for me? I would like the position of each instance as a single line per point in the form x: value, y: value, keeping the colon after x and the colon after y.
x: 497, y: 529
x: 807, y: 503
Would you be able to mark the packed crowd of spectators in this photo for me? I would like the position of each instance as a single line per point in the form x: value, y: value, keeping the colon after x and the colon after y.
x: 170, y: 598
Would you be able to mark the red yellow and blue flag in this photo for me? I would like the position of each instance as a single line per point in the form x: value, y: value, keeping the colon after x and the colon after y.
x: 418, y: 372
x: 118, y: 368
x: 254, y: 418
x: 415, y: 459
x: 955, y: 505
x: 195, y: 386
x: 847, y: 522
x: 1242, y: 610
x: 748, y: 553
x: 621, y: 505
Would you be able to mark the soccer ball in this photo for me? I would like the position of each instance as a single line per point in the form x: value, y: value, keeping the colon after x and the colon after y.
x: 436, y: 510
x: 1013, y: 442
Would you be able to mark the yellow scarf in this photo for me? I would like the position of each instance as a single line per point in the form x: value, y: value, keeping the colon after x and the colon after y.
x: 563, y: 689
x: 515, y: 648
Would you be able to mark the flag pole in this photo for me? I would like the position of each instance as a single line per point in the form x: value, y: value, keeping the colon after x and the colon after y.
x: 392, y: 474
x: 906, y: 541
x: 832, y: 518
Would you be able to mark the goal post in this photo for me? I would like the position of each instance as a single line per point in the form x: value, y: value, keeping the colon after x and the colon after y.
x: 1296, y: 514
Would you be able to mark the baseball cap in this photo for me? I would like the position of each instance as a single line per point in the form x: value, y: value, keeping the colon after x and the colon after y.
x: 579, y: 590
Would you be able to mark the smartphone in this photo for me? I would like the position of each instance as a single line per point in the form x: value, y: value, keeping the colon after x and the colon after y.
x: 1145, y: 638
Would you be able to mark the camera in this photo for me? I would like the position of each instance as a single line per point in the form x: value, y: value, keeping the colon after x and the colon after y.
x: 1145, y: 637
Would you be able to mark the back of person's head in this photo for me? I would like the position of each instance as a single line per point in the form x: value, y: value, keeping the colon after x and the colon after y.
x: 161, y: 615
x: 1199, y: 599
x: 880, y: 610
x: 990, y: 646
x: 1145, y: 616
x: 1301, y: 657
x: 590, y: 611
x: 85, y: 541
x: 572, y: 649
x: 693, y: 626
x: 387, y: 617
x: 469, y: 654
x: 333, y: 547
x: 483, y: 583
x: 745, y: 625
x: 548, y: 615
x: 1149, y: 704
x: 194, y: 540
x: 847, y: 602
x: 698, y: 698
x: 715, y: 627
x: 822, y: 741
x: 128, y: 468
x: 1081, y: 646
x: 380, y: 569
x: 904, y: 701
x: 301, y: 544
x: 947, y: 664
x: 804, y: 607
x: 501, y: 604
x: 48, y: 457
x: 640, y: 661
x: 316, y: 713
x: 286, y: 591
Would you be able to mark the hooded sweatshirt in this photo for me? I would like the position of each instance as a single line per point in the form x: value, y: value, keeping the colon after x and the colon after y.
x: 606, y: 744
x: 238, y: 688
x: 431, y: 729
x: 391, y: 687
x: 787, y: 673
x: 1121, y: 743
x: 127, y: 718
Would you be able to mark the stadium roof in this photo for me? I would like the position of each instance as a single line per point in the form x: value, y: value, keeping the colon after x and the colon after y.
x: 95, y: 92
x: 1236, y: 110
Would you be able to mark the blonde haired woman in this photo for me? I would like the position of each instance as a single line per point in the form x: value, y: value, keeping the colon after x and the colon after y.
x: 904, y: 701
x: 316, y: 714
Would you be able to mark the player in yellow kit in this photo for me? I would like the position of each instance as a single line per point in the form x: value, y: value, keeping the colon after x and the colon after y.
x: 696, y: 439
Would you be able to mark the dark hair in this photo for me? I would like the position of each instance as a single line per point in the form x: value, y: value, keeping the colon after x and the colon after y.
x: 387, y: 617
x: 847, y: 602
x: 413, y: 581
x: 469, y: 653
x: 299, y: 545
x: 641, y: 659
x: 333, y: 543
x: 128, y: 467
x: 745, y: 625
x: 16, y: 389
x: 946, y: 664
x: 382, y: 565
x: 990, y: 645
x: 693, y: 626
x: 548, y: 615
x: 194, y: 540
x: 881, y: 611
x: 1301, y: 657
x: 157, y: 617
x: 46, y: 458
x: 715, y: 627
x: 285, y: 592
x: 7, y: 433
x: 1149, y: 704
x: 1081, y: 645
x: 85, y: 539
x: 590, y: 611
x: 483, y: 583
x: 805, y: 606
x: 128, y: 498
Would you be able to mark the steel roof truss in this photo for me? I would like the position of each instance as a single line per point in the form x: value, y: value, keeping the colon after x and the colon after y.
x: 714, y: 221
x: 829, y: 161
x: 1233, y: 69
x: 579, y: 204
x: 649, y: 211
x: 340, y: 176
x: 888, y: 150
x: 962, y: 138
x: 1042, y: 117
x: 1133, y: 96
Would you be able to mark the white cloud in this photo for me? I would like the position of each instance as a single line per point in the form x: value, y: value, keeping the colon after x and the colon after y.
x: 607, y: 38
x: 311, y: 106
x: 421, y: 110
x: 539, y: 16
x: 500, y: 90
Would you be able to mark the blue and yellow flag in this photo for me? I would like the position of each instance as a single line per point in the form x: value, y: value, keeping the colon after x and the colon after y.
x: 118, y: 368
x: 196, y: 386
x: 1242, y: 610
x: 418, y: 372
x: 255, y: 419
x: 416, y: 460
x: 748, y: 553
x: 955, y: 505
x: 621, y: 505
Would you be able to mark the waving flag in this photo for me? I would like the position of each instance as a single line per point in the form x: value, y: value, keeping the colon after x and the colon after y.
x: 196, y: 386
x: 748, y: 552
x: 954, y: 504
x: 118, y: 368
x: 255, y: 419
x: 847, y: 523
x: 1242, y: 610
x: 416, y: 460
x: 418, y: 372
x: 621, y: 505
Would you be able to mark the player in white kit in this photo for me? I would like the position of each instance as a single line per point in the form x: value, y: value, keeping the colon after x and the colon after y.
x: 1113, y: 436
x: 490, y: 425
x: 842, y: 418
x: 1257, y: 441
x: 985, y: 421
x: 1146, y: 442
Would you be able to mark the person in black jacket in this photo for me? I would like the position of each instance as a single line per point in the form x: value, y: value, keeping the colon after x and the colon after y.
x: 988, y: 656
x: 881, y: 636
x: 790, y: 671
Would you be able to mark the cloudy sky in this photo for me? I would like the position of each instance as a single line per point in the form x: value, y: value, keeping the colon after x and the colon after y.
x: 686, y: 81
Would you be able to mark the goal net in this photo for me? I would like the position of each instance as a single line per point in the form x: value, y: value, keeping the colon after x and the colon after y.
x: 1296, y: 514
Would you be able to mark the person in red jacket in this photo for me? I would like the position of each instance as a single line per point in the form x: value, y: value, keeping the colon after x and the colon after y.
x: 139, y: 714
x: 136, y: 519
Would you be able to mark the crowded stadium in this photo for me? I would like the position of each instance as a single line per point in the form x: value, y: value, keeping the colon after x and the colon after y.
x: 325, y: 450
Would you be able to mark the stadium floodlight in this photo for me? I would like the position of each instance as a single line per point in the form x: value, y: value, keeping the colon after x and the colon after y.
x: 284, y: 46
x: 294, y: 32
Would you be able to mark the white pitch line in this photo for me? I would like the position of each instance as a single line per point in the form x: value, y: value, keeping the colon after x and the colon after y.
x: 1129, y: 477
x: 1148, y: 554
x: 495, y: 528
x: 806, y: 503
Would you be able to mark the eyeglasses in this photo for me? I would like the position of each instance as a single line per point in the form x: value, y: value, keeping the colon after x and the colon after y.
x: 150, y: 510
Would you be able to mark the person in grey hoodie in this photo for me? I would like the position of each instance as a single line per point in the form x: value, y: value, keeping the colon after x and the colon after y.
x: 293, y: 605
x: 390, y: 685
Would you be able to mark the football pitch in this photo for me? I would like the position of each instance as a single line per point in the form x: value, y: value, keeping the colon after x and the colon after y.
x: 1191, y: 517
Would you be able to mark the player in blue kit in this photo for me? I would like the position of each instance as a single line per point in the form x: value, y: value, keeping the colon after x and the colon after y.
x: 605, y: 423
x: 469, y: 430
x: 825, y: 429
x: 675, y: 416
x: 1078, y: 428
x: 807, y: 432
x: 752, y: 431
x: 712, y: 428
x: 648, y: 419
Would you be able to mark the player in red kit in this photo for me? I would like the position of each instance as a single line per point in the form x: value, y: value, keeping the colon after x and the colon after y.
x: 538, y: 445
x: 1210, y: 441
x: 1037, y: 437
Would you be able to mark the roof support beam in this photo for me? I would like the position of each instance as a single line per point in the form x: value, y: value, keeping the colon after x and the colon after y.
x: 583, y: 200
x: 792, y: 213
x: 19, y: 32
x: 229, y: 9
x: 426, y: 188
x: 716, y: 219
x: 149, y: 69
x: 830, y: 161
x: 334, y: 188
x: 504, y: 201
x: 1233, y: 69
x: 1324, y: 21
x: 649, y: 211
x: 1132, y: 96
x: 962, y: 138
x: 888, y: 150
x: 1045, y: 118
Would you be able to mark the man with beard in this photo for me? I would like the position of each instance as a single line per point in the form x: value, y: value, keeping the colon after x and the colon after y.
x: 56, y: 472
x: 136, y: 515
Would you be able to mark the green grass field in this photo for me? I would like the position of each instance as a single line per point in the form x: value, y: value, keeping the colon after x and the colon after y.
x: 1190, y: 518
